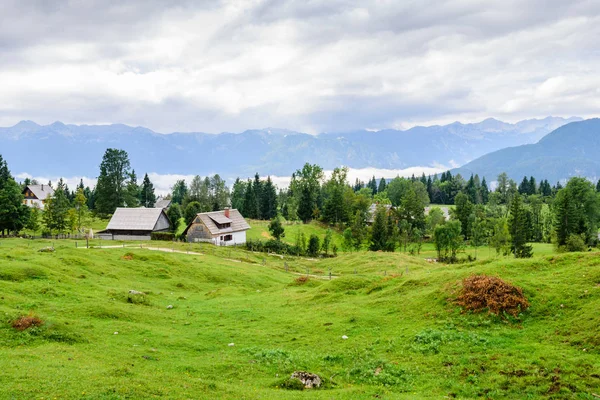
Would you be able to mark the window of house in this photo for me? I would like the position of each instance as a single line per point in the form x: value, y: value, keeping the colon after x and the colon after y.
x: 228, y: 238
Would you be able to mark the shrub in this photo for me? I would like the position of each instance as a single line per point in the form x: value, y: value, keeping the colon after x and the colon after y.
x: 26, y: 322
x: 290, y: 384
x: 575, y: 243
x: 314, y: 245
x: 167, y: 236
x: 481, y: 292
x: 301, y: 280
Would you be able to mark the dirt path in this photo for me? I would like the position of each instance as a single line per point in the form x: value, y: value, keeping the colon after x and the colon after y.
x: 163, y: 249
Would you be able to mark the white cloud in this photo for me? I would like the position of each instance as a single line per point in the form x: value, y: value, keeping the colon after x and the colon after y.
x: 308, y: 66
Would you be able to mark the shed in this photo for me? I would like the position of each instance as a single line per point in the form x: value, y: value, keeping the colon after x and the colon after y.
x: 223, y: 228
x: 135, y: 224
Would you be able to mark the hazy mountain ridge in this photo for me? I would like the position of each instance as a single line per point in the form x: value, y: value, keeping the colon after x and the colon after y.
x: 60, y: 149
x: 571, y: 150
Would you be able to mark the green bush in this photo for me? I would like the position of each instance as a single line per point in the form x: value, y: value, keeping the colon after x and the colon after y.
x: 167, y: 236
x: 290, y: 384
x: 575, y: 243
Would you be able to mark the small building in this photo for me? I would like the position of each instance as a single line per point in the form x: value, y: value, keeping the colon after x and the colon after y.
x: 373, y: 208
x: 223, y: 228
x: 162, y: 203
x: 36, y: 195
x: 135, y: 224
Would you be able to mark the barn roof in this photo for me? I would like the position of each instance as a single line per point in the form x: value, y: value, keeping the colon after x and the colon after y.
x: 40, y: 191
x: 211, y: 219
x: 135, y: 219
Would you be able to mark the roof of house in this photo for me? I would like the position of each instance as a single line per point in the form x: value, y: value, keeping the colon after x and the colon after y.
x: 162, y: 203
x: 211, y: 219
x: 373, y: 208
x: 40, y: 191
x: 135, y: 219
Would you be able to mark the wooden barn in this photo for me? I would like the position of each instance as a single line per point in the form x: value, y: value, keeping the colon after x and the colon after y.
x: 36, y: 195
x: 135, y: 224
x: 223, y: 228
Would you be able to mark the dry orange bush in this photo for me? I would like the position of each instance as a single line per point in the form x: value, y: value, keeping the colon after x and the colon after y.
x: 481, y: 292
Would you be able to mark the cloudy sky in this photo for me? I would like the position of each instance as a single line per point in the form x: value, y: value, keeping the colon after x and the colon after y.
x: 311, y: 66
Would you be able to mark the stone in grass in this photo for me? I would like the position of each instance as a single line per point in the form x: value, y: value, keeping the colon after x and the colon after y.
x: 46, y: 250
x: 231, y: 344
x: 170, y: 307
x: 308, y: 379
x: 136, y: 292
x: 344, y: 337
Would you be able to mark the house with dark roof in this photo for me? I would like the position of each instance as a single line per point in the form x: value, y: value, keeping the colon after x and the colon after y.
x: 223, y: 228
x: 36, y: 195
x: 135, y: 224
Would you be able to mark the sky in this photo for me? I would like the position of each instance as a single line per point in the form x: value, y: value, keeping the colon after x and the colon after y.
x: 310, y: 66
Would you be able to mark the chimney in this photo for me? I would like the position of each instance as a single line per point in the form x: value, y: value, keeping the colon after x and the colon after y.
x: 226, y: 211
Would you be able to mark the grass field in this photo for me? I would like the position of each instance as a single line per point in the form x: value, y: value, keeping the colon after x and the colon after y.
x: 405, y: 339
x: 260, y: 230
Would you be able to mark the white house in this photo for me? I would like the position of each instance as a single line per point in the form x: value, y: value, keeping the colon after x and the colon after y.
x: 36, y: 195
x: 223, y: 228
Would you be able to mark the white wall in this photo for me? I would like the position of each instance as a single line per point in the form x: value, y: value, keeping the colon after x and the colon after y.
x: 238, y: 238
x: 34, y: 203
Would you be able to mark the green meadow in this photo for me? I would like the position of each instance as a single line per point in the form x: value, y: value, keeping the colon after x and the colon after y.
x: 242, y: 322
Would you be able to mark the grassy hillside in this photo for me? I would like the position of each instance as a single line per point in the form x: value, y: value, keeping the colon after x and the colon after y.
x: 260, y: 230
x: 405, y: 340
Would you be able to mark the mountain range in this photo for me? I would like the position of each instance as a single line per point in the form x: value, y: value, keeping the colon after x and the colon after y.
x: 571, y: 150
x: 67, y: 150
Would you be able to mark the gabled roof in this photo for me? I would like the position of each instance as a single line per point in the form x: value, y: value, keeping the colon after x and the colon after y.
x: 163, y: 203
x: 238, y: 223
x: 40, y: 191
x: 135, y: 219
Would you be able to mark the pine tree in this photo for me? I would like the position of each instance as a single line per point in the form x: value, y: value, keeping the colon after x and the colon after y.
x: 238, y: 193
x: 147, y: 196
x: 56, y: 210
x: 132, y: 192
x: 111, y: 186
x: 383, y: 185
x: 532, y: 185
x: 463, y: 211
x: 484, y: 191
x: 517, y: 225
x: 179, y: 192
x: 268, y: 200
x: 379, y: 231
x: 250, y: 202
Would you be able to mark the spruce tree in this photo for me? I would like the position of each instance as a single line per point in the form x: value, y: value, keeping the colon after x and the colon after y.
x: 132, y: 193
x: 383, y: 185
x: 379, y: 230
x: 517, y: 225
x: 268, y: 200
x: 56, y: 210
x: 484, y: 191
x: 147, y: 196
x: 111, y: 186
